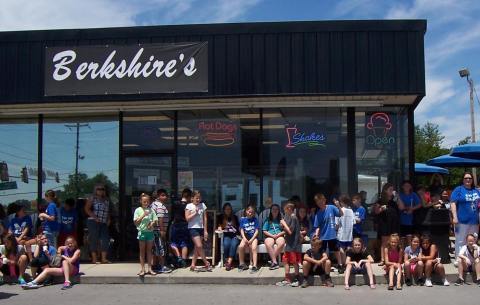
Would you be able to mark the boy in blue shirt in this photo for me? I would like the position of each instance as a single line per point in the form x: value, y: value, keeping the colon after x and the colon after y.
x: 360, y: 214
x: 50, y: 218
x: 249, y: 233
x: 325, y: 227
x: 68, y: 221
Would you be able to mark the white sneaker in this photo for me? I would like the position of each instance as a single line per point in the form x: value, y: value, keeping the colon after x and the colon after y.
x: 295, y: 284
x: 446, y: 283
x: 428, y: 283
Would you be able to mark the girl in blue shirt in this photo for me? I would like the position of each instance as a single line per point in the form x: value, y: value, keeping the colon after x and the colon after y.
x: 50, y: 218
x: 249, y: 233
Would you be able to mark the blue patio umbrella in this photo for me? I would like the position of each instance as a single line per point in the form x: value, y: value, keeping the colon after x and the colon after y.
x: 471, y: 151
x: 450, y: 161
x: 421, y: 168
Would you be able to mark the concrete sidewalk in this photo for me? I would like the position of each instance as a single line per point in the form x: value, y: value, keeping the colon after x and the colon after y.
x: 126, y: 273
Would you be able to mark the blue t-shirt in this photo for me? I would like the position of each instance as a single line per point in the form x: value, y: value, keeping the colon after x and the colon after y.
x: 17, y: 225
x: 249, y: 225
x: 51, y: 250
x: 411, y: 200
x: 272, y: 227
x: 51, y: 226
x: 325, y: 220
x: 68, y: 220
x: 467, y: 204
x: 359, y: 213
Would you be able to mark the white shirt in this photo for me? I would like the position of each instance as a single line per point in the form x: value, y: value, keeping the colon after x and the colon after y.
x: 197, y: 221
x: 464, y: 251
x: 345, y: 225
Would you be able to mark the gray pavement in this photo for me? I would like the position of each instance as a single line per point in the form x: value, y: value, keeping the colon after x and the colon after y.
x: 83, y: 294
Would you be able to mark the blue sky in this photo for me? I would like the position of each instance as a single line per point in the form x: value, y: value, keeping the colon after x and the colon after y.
x: 452, y: 39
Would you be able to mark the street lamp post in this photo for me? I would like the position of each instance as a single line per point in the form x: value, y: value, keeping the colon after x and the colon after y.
x: 465, y: 73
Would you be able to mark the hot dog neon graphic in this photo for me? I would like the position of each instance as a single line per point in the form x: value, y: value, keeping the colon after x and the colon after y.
x: 297, y: 138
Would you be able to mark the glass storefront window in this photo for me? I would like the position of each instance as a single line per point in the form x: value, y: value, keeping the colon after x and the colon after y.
x: 381, y: 137
x: 148, y: 131
x: 18, y: 161
x: 95, y: 160
x: 304, y: 152
x: 218, y: 155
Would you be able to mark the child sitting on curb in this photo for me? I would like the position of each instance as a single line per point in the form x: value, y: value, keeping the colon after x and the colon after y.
x: 316, y: 262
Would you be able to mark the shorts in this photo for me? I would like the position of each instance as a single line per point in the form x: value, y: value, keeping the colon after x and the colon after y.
x: 331, y: 244
x: 292, y: 258
x: 360, y: 270
x: 344, y: 244
x: 158, y: 244
x: 145, y: 236
x: 179, y: 236
x: 412, y: 267
x: 406, y: 230
x: 316, y: 270
x: 194, y: 232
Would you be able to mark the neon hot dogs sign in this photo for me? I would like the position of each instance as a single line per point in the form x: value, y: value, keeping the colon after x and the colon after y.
x: 296, y: 137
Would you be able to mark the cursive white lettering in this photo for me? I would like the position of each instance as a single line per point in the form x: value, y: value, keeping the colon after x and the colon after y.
x: 65, y: 58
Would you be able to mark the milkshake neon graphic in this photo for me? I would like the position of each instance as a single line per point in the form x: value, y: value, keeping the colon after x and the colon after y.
x: 297, y: 138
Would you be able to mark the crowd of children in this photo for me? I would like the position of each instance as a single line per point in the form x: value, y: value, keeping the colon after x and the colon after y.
x: 167, y: 233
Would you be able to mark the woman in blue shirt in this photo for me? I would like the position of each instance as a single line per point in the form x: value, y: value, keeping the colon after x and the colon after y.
x: 464, y: 206
x: 407, y: 204
x: 274, y: 233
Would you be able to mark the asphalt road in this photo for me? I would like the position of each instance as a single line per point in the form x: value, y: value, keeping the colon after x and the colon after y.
x: 235, y: 294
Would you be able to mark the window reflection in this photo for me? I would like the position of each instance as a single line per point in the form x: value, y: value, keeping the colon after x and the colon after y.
x: 148, y: 131
x: 305, y: 152
x: 218, y: 154
x: 18, y: 157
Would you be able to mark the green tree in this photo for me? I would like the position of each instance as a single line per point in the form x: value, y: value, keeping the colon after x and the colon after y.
x: 86, y: 185
x: 428, y: 142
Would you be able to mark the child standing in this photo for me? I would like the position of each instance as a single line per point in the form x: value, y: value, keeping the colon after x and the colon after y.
x: 358, y: 261
x: 50, y: 218
x: 324, y: 224
x: 249, y: 233
x: 145, y: 218
x: 68, y: 221
x: 344, y: 230
x: 316, y: 262
x: 180, y: 239
x: 293, y: 246
x: 393, y: 255
x: 160, y: 231
x: 196, y: 216
x: 468, y: 260
x: 413, y: 265
x: 360, y: 214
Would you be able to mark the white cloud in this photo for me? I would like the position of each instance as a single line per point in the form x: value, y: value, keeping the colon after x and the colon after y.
x: 438, y: 91
x: 52, y: 14
x: 453, y: 127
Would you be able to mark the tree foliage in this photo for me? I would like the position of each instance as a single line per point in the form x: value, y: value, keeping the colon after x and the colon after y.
x: 428, y: 142
x: 86, y: 185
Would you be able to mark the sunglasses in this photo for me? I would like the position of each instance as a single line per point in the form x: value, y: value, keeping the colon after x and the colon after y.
x: 467, y: 178
x: 101, y: 189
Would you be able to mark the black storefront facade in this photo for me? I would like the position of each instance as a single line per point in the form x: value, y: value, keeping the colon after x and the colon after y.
x: 242, y: 112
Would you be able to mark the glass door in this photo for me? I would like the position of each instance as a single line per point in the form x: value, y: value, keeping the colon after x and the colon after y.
x: 143, y: 174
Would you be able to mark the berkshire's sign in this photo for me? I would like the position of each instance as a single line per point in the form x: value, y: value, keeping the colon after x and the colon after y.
x: 297, y: 137
x: 126, y: 69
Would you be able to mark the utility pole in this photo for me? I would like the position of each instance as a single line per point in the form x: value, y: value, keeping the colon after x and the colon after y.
x: 465, y: 73
x: 77, y: 148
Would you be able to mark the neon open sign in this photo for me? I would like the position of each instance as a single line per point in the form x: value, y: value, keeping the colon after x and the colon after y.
x: 380, y: 126
x: 297, y: 137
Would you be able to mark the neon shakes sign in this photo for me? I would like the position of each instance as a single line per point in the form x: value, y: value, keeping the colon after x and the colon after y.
x: 217, y: 133
x: 380, y: 127
x: 297, y: 137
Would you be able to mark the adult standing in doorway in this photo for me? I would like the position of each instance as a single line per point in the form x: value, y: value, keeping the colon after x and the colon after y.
x: 388, y: 217
x: 407, y: 204
x: 98, y: 210
x: 464, y: 207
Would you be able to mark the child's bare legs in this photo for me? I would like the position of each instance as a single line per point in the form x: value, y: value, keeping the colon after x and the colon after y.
x: 406, y: 269
x: 198, y: 244
x: 46, y: 273
x: 287, y: 272
x: 399, y: 277
x: 142, y: 246
x: 22, y: 265
x: 462, y: 266
x: 391, y: 273
x: 343, y: 257
x: 241, y: 252
x: 148, y: 246
x: 253, y: 252
x: 419, y: 270
x: 383, y: 246
x: 67, y: 269
x: 368, y: 266
x: 270, y: 245
x: 306, y: 269
x: 477, y: 268
x: 280, y: 245
x: 429, y: 268
x: 348, y: 269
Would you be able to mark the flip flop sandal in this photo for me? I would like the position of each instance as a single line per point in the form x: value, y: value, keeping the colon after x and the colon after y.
x: 141, y: 273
